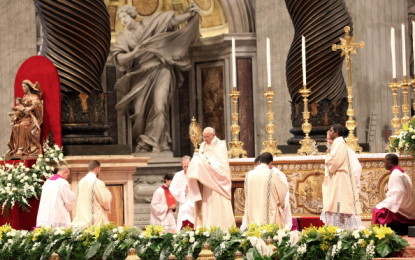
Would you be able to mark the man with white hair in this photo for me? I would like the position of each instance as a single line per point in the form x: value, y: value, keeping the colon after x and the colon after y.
x: 210, y: 166
x: 179, y: 188
x: 56, y: 201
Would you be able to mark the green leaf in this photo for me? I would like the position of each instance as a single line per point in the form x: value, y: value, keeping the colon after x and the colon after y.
x: 108, y: 250
x: 92, y: 251
x: 383, y: 248
x: 290, y: 253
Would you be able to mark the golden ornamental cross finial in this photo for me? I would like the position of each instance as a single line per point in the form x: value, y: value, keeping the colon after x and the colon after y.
x: 348, y: 45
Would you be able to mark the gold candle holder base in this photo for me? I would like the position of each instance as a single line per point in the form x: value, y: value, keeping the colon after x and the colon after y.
x: 270, y: 145
x: 307, y: 143
x: 405, y: 84
x: 236, y: 146
x: 396, y: 121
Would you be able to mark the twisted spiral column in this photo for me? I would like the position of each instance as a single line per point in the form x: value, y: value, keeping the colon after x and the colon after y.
x: 76, y: 39
x: 322, y: 23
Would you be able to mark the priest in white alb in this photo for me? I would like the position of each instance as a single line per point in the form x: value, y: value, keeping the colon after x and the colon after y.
x: 56, y: 201
x: 397, y: 210
x: 210, y: 166
x: 94, y: 199
x: 179, y: 188
x: 265, y: 195
x: 341, y: 205
x: 163, y: 206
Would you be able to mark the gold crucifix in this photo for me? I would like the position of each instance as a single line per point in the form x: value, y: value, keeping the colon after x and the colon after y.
x: 348, y: 47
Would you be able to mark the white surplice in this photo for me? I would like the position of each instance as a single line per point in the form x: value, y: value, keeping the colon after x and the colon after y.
x: 186, y: 203
x: 94, y: 201
x: 210, y: 166
x: 288, y: 219
x: 56, y: 202
x: 160, y: 213
x: 400, y: 197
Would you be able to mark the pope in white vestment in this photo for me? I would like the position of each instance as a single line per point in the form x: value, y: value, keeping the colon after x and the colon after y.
x: 94, y: 199
x: 179, y: 188
x: 210, y: 166
x: 56, y: 201
x: 265, y: 195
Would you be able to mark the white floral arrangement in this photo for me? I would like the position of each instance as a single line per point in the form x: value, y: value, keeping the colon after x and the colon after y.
x: 18, y: 183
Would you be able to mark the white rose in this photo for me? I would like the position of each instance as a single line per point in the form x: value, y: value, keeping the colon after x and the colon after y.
x: 47, y: 168
x: 47, y: 160
x: 60, y: 156
x: 9, y: 177
x: 115, y: 236
x: 14, y: 189
x: 356, y: 234
x: 56, y: 147
x: 192, y: 239
x: 413, y: 137
x: 26, y: 178
x: 40, y: 156
x: 34, y: 176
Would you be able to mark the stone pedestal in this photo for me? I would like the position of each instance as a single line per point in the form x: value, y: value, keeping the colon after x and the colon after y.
x: 117, y: 173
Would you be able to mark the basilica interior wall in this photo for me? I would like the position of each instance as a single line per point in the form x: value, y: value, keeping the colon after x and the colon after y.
x: 17, y: 43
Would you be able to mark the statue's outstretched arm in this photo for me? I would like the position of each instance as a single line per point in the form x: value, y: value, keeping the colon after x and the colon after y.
x: 181, y: 18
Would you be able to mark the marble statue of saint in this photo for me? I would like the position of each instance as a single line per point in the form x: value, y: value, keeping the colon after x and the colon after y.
x: 152, y: 52
x: 26, y: 119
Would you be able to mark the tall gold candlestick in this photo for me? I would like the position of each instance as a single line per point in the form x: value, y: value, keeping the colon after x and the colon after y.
x: 270, y: 145
x: 307, y: 142
x: 236, y: 146
x: 396, y: 121
x: 348, y: 47
x: 405, y: 105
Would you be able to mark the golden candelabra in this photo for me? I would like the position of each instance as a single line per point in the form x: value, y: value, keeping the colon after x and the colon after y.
x: 307, y: 142
x: 270, y: 145
x: 405, y: 84
x: 396, y: 121
x: 236, y: 146
x: 348, y: 47
x: 195, y: 134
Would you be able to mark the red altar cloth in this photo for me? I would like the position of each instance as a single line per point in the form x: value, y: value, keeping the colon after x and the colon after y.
x: 16, y: 217
x: 305, y: 222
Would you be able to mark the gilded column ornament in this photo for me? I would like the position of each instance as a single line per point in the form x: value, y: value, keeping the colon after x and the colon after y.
x: 206, y: 253
x: 348, y: 47
x: 270, y: 145
x: 307, y: 142
x: 236, y: 146
x: 195, y: 133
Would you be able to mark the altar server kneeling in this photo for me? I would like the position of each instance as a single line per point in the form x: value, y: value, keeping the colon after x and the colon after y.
x: 397, y: 210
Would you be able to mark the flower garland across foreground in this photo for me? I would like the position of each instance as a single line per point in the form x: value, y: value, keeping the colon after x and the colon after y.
x: 112, y: 242
x: 18, y: 183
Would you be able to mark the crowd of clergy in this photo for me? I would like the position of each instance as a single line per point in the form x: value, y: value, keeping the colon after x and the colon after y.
x: 200, y: 194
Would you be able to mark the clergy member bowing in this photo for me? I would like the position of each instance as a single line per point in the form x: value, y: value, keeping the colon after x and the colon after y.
x: 163, y: 206
x: 397, y: 210
x: 94, y: 199
x: 179, y: 188
x: 265, y: 195
x: 210, y: 166
x: 56, y: 201
x: 341, y: 205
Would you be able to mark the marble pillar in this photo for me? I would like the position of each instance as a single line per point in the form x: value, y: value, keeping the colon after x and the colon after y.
x: 17, y: 43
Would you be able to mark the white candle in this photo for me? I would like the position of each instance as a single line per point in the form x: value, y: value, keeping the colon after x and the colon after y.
x: 403, y: 50
x: 268, y: 62
x: 413, y: 42
x: 303, y: 60
x: 233, y: 64
x: 393, y: 53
